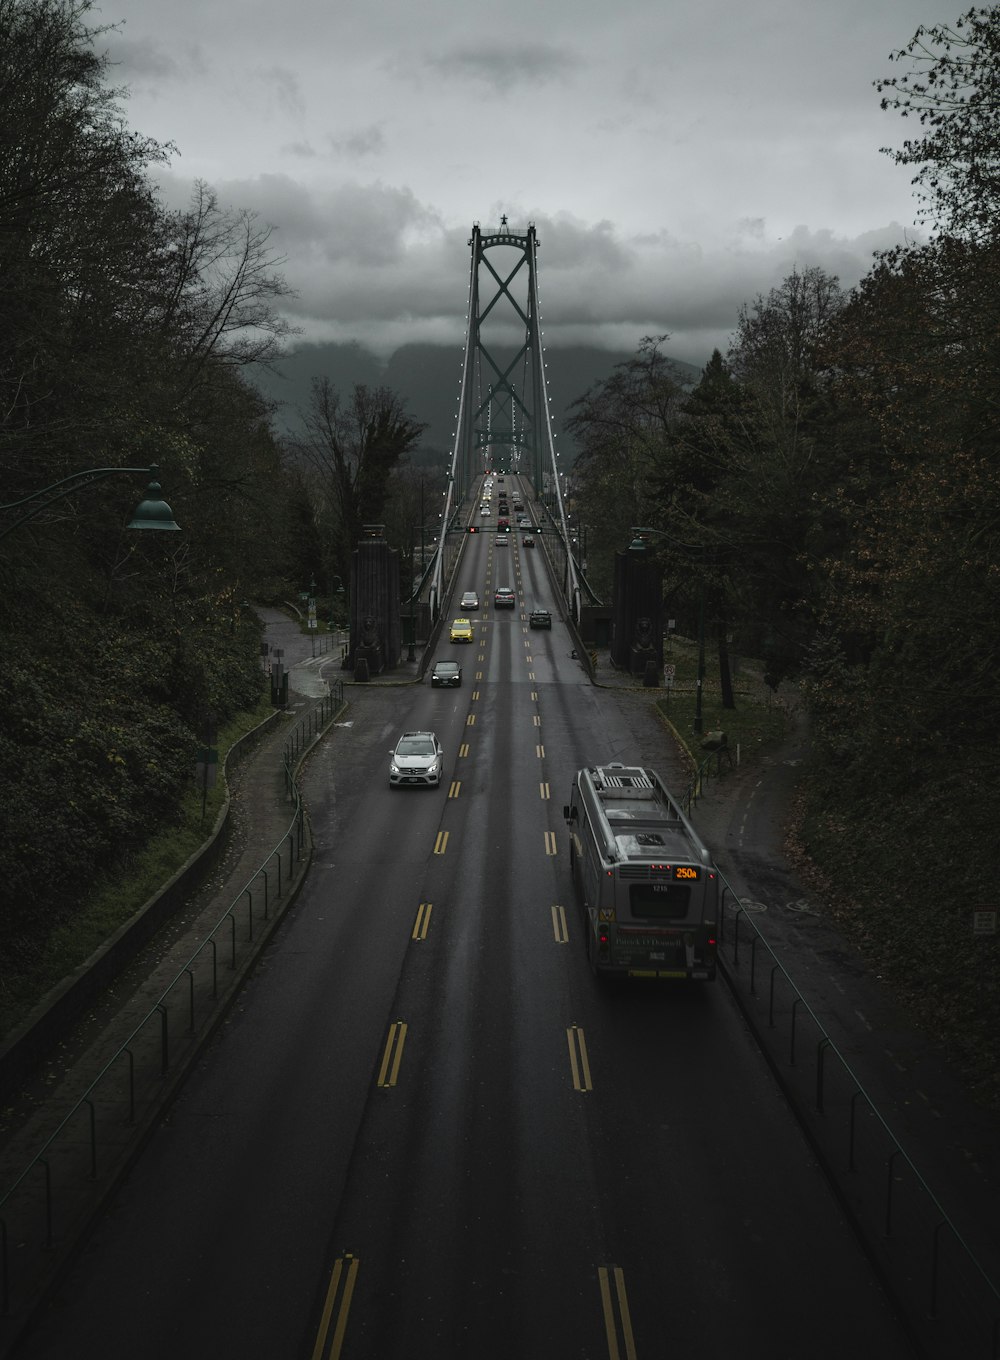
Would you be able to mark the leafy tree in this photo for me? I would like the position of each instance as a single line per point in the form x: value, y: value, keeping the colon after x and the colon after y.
x: 952, y: 87
x: 354, y: 446
x: 785, y: 451
x: 902, y: 671
x: 620, y: 425
x: 114, y: 352
x: 914, y: 596
x: 79, y: 242
x: 690, y: 486
x: 735, y: 477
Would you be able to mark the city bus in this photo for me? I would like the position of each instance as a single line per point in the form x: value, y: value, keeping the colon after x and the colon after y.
x: 647, y: 887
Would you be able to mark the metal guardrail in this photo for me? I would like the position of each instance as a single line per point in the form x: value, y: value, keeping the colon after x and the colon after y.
x: 931, y: 1272
x: 696, y: 784
x: 41, y: 1211
x: 305, y: 732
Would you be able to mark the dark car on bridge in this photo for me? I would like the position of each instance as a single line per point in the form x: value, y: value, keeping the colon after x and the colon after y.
x: 446, y: 674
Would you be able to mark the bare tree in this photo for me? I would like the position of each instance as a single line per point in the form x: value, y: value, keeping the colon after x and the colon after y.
x: 223, y: 286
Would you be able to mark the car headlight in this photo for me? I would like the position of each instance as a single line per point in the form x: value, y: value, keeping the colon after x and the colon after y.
x: 393, y: 767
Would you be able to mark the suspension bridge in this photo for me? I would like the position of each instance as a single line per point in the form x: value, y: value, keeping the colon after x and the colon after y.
x: 504, y: 419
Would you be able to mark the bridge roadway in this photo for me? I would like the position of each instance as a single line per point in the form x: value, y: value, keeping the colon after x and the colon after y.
x: 426, y: 1129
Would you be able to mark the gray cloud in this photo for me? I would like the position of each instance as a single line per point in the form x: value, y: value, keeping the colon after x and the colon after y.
x: 361, y: 142
x: 147, y: 61
x: 676, y: 160
x: 503, y: 66
x: 284, y: 86
x: 370, y: 262
x: 300, y: 150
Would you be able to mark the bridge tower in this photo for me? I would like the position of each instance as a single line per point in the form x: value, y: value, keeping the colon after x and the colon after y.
x: 506, y: 390
x: 504, y: 420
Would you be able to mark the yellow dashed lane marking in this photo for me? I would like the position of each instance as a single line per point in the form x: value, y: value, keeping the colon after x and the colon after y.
x: 559, y: 927
x: 422, y: 922
x: 441, y: 844
x: 550, y: 843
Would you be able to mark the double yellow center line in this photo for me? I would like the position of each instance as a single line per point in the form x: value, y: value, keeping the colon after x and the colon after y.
x: 578, y: 1061
x: 338, y: 1297
x: 337, y: 1306
x: 617, y: 1319
x: 393, y: 1055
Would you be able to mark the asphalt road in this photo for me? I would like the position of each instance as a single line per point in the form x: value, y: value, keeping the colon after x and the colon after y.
x: 427, y: 1130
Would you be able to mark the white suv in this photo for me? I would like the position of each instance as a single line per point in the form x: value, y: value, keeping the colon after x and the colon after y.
x: 417, y: 759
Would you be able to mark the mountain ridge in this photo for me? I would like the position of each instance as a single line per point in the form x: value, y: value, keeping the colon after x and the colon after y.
x: 427, y: 378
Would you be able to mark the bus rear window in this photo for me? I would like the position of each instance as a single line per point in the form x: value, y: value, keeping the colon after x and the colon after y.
x: 659, y: 901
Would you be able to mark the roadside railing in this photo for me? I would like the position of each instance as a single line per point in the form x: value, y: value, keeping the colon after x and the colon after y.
x: 711, y: 765
x: 43, y: 1210
x: 306, y: 730
x: 933, y: 1274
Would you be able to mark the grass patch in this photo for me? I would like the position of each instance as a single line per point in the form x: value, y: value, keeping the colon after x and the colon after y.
x: 757, y: 719
x: 119, y: 893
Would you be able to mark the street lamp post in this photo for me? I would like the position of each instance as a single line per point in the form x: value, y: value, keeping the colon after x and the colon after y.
x: 335, y: 589
x: 640, y: 534
x: 311, y: 613
x: 151, y: 513
x: 411, y: 653
x: 411, y: 649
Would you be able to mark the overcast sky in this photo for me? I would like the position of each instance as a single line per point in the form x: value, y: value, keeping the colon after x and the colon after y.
x: 677, y: 159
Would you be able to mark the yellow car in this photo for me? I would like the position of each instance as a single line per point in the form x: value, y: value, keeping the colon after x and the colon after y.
x: 461, y: 630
